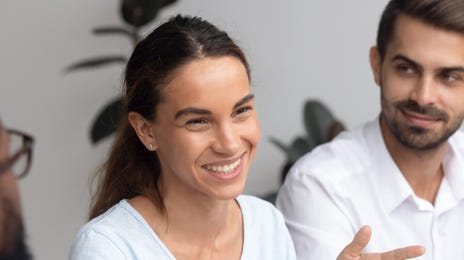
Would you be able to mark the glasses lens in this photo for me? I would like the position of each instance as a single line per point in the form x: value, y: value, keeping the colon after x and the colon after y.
x: 20, y: 165
x: 16, y: 144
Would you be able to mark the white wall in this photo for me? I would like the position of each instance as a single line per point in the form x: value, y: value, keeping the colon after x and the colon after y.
x: 297, y: 49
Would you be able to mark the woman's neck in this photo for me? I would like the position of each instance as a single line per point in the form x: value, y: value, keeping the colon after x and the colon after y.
x: 195, y: 226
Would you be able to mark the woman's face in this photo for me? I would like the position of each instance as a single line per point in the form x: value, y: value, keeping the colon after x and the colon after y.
x: 206, y: 129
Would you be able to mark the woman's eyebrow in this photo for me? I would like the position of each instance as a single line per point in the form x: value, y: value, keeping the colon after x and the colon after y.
x: 199, y: 111
x: 244, y: 100
x: 192, y: 110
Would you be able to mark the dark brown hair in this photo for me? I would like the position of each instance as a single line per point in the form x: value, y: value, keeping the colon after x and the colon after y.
x: 131, y: 169
x: 443, y: 14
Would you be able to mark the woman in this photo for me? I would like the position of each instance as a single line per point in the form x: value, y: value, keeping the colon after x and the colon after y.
x: 171, y: 186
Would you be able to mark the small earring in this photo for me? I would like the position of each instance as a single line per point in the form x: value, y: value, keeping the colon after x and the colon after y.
x: 151, y: 147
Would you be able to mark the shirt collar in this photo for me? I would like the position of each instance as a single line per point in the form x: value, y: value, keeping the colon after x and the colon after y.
x: 453, y: 165
x: 393, y: 188
x: 390, y: 183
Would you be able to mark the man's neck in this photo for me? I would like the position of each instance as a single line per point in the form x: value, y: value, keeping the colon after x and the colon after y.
x: 421, y: 168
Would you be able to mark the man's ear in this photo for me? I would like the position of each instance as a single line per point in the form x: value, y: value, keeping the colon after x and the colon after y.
x: 143, y: 129
x: 374, y: 59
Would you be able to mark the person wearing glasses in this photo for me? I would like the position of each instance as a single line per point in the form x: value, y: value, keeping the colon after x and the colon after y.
x: 15, y: 161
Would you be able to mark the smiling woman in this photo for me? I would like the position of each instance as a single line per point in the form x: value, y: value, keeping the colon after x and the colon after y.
x: 172, y: 183
x: 196, y: 137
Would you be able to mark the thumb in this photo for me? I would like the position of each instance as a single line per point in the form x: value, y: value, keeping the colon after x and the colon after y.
x: 356, y: 246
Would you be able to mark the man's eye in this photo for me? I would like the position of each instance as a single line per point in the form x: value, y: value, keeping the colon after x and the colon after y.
x: 450, y: 77
x: 196, y: 121
x: 197, y: 124
x: 405, y: 69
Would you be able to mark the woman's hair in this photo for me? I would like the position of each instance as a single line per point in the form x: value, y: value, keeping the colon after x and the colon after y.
x: 131, y: 169
x: 444, y: 14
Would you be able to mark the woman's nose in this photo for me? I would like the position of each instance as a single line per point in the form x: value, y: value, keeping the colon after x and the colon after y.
x: 226, y: 140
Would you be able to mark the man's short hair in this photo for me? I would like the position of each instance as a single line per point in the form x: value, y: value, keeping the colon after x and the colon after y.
x: 443, y: 14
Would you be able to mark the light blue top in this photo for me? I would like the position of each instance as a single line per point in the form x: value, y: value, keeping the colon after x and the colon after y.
x: 122, y: 233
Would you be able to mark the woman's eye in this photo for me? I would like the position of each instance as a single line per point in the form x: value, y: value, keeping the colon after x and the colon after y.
x: 197, y: 124
x: 242, y: 110
x: 242, y: 113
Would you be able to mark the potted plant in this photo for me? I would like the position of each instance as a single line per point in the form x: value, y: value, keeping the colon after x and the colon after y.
x: 135, y: 14
x: 321, y: 126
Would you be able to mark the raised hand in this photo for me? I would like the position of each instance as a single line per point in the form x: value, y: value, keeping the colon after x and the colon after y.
x: 353, y: 251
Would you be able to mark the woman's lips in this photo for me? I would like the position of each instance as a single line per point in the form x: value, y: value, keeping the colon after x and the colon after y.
x: 226, y: 169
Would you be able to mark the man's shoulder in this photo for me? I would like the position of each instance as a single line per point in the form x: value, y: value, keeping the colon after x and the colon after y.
x: 457, y: 140
x: 346, y: 148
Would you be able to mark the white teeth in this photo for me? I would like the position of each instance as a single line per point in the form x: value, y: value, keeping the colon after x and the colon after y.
x: 223, y: 169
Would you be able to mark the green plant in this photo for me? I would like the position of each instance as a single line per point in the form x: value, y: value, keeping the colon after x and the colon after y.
x: 321, y: 126
x: 135, y: 14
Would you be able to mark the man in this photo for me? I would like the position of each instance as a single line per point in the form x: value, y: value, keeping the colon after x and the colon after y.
x: 403, y: 173
x: 12, y: 245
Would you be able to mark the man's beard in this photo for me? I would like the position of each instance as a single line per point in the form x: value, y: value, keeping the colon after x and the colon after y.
x: 13, y: 234
x: 415, y: 137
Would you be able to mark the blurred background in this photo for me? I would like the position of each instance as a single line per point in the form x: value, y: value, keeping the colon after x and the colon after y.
x: 298, y: 50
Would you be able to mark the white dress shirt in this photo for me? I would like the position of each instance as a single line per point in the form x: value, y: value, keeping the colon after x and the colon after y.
x: 352, y: 181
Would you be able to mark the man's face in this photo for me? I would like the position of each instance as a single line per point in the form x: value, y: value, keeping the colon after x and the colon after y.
x: 422, y: 84
x: 12, y: 244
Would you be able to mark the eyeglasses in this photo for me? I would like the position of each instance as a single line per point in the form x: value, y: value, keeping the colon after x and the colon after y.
x: 21, y: 154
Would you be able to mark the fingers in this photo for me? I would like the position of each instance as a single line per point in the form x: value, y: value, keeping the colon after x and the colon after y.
x: 403, y: 253
x: 356, y: 246
x: 361, y: 239
x: 354, y: 249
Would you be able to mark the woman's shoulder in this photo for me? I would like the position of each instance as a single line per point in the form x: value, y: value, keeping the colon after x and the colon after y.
x: 117, y: 222
x: 109, y: 220
x: 100, y: 232
x: 256, y: 208
x: 264, y: 229
x: 120, y: 231
x: 253, y: 201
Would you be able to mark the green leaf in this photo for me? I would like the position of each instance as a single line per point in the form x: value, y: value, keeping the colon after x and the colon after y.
x: 107, y: 120
x: 133, y: 34
x: 280, y: 145
x: 140, y: 12
x: 114, y: 30
x: 317, y: 119
x: 300, y: 146
x: 96, y: 62
x: 168, y: 2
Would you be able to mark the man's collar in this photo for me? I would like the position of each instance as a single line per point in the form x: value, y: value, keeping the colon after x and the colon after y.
x: 394, y: 189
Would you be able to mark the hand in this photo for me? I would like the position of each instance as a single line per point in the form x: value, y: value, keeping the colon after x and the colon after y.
x: 353, y: 251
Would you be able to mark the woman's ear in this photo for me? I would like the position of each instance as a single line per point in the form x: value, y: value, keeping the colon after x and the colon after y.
x: 143, y: 129
x: 375, y: 61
